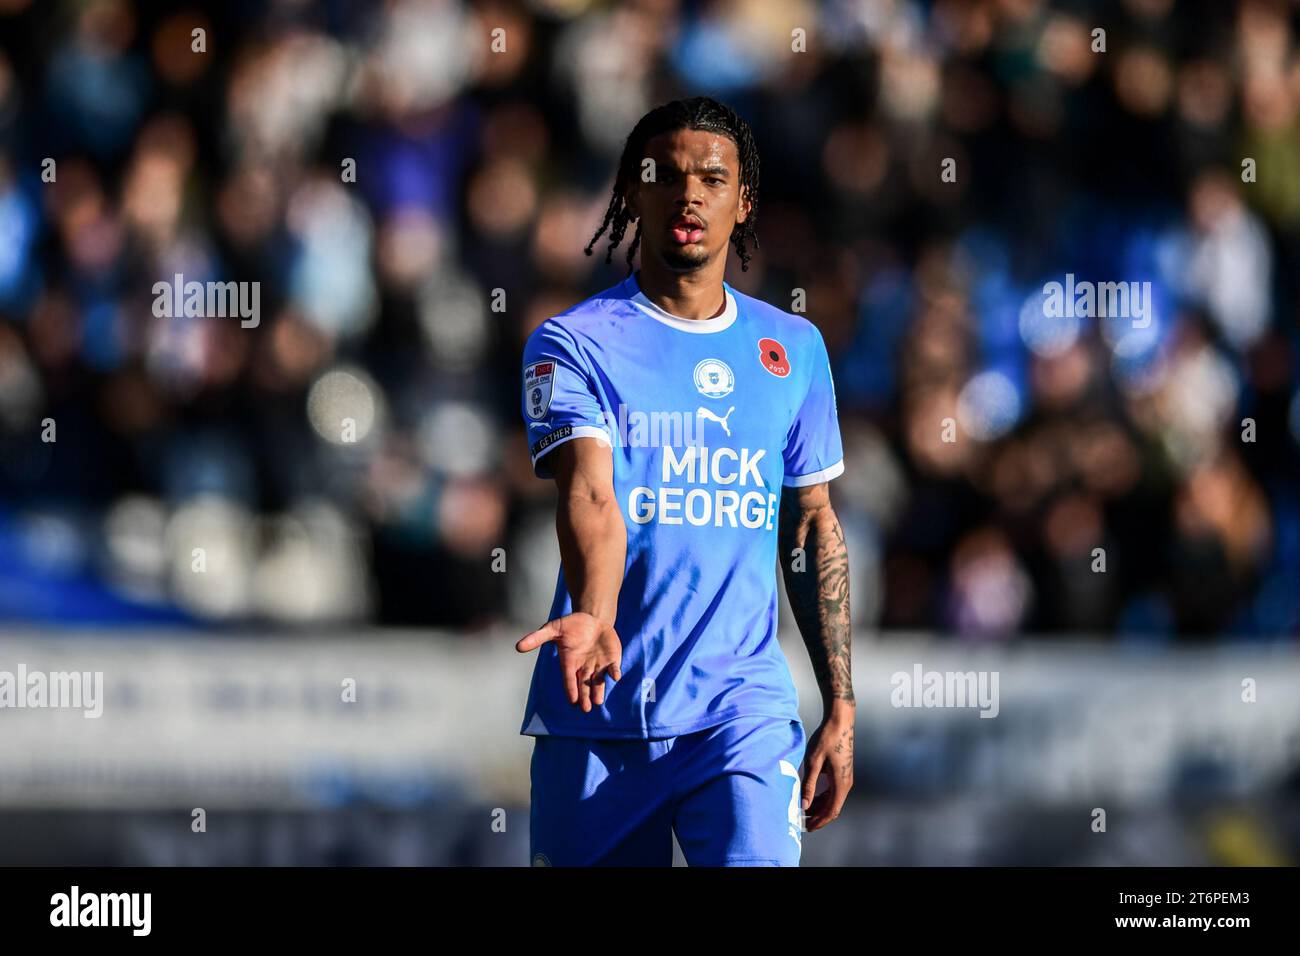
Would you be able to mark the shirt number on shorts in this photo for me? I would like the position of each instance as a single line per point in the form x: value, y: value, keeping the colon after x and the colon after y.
x: 794, y: 813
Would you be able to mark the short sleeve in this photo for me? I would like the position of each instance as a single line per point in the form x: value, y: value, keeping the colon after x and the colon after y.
x: 559, y: 398
x: 813, y: 452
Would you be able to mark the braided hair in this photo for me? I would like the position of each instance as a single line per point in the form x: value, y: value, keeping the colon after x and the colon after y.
x: 702, y: 113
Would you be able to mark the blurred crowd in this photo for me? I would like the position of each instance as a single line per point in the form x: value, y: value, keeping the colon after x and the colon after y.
x: 412, y: 184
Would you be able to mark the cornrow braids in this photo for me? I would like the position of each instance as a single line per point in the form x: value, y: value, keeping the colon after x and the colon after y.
x: 702, y: 113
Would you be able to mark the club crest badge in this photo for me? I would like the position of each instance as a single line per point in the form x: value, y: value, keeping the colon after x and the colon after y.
x: 772, y: 354
x: 539, y: 379
x: 714, y: 378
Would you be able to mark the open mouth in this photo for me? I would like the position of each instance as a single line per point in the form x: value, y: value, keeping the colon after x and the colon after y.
x: 686, y: 230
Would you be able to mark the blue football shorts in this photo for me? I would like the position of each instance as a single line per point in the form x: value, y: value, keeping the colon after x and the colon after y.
x: 730, y: 792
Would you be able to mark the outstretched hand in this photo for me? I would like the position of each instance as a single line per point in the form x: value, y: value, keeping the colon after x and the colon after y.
x: 589, y: 650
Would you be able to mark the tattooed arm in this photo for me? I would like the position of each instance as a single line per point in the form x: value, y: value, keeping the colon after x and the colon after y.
x: 817, y: 582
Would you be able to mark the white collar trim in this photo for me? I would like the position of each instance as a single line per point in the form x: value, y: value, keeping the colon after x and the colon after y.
x: 699, y: 326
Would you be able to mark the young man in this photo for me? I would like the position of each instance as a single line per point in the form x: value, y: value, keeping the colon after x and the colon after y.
x: 671, y: 411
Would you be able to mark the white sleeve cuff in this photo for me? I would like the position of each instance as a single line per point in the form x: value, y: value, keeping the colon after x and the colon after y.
x: 816, y: 478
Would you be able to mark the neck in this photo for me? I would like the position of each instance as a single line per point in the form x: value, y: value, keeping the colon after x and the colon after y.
x: 689, y: 295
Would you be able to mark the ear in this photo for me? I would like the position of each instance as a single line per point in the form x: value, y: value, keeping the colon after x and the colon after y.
x: 631, y: 197
x: 743, y: 214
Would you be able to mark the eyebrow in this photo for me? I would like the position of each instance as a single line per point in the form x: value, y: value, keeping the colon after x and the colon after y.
x: 713, y: 170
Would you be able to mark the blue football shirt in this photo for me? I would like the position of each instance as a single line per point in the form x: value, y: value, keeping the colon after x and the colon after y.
x: 707, y: 420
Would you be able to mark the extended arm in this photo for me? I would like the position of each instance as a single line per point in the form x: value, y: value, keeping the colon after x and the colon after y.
x: 593, y: 551
x: 593, y: 538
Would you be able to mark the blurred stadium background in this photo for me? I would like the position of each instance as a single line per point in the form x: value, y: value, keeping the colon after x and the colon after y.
x: 478, y: 171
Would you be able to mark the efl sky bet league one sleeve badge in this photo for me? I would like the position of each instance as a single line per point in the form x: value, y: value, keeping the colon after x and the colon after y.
x: 772, y: 354
x: 539, y: 379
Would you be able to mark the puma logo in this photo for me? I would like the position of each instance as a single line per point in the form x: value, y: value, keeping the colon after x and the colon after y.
x: 705, y: 413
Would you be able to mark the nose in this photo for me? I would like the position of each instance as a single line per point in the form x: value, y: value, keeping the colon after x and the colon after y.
x: 689, y: 193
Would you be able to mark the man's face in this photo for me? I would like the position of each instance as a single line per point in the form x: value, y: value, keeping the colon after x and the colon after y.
x: 688, y: 212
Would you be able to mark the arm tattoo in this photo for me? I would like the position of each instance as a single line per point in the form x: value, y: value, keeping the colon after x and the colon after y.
x: 819, y: 594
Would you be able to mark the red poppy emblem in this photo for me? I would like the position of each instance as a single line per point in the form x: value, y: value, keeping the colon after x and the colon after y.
x: 772, y: 354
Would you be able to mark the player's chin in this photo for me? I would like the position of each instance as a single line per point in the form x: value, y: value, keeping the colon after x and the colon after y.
x: 685, y: 257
